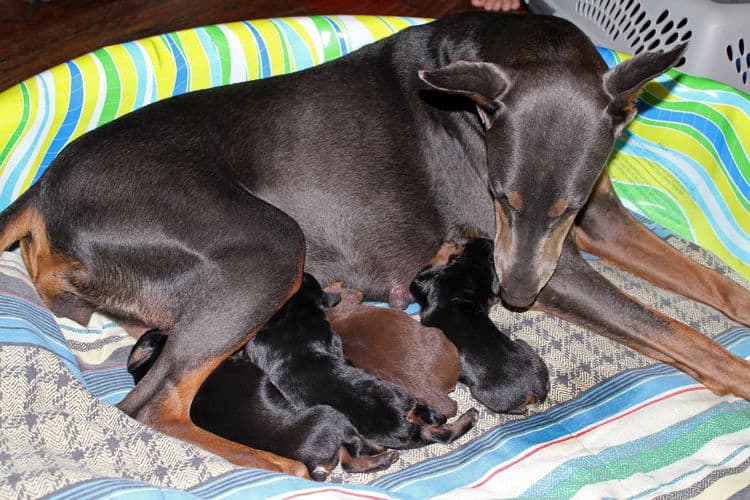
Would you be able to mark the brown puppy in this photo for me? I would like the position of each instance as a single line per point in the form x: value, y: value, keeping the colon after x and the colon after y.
x: 395, y: 347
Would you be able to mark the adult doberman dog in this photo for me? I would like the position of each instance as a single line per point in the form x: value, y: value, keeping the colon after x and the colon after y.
x: 197, y: 214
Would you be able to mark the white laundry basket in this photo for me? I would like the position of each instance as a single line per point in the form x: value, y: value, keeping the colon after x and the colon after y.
x: 718, y: 31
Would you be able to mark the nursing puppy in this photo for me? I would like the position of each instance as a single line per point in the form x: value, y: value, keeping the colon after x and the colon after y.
x: 395, y: 347
x: 504, y: 375
x: 304, y: 359
x: 239, y: 402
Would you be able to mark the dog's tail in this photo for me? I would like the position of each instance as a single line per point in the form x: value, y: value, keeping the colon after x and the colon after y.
x: 18, y: 220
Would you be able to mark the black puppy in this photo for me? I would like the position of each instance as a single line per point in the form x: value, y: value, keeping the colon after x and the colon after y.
x: 304, y: 358
x: 239, y: 402
x: 502, y: 374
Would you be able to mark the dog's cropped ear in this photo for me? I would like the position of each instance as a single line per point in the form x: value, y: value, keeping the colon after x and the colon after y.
x: 624, y: 81
x: 483, y: 83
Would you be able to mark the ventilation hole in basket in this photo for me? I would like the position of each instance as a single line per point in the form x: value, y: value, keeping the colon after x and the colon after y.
x: 645, y: 26
x: 636, y: 7
x: 748, y: 60
x: 667, y: 27
x: 654, y: 44
x: 682, y: 23
x: 730, y: 53
x: 742, y: 46
x: 672, y: 38
x: 628, y: 3
x: 648, y: 36
x: 738, y: 64
x: 744, y: 77
x: 680, y: 62
x: 686, y: 36
x: 662, y: 16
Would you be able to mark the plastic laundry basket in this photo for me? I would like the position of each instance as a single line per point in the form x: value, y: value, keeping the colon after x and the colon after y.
x: 718, y: 31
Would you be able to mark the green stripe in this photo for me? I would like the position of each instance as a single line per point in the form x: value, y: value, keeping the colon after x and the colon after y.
x: 21, y: 124
x: 661, y: 208
x: 222, y: 47
x: 285, y: 49
x: 332, y: 50
x: 651, y: 460
x: 113, y: 87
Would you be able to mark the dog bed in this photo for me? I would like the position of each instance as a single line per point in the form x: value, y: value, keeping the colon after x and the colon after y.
x: 616, y: 424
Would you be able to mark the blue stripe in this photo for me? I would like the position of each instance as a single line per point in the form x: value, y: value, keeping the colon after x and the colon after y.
x: 298, y: 48
x: 265, y: 60
x: 182, y: 77
x: 72, y: 116
x: 24, y: 323
x: 480, y: 456
x: 140, y: 64
x: 212, y: 54
x: 6, y: 196
x: 341, y: 37
x: 117, y: 488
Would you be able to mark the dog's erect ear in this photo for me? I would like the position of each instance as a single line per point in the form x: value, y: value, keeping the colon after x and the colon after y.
x: 483, y: 83
x: 624, y: 81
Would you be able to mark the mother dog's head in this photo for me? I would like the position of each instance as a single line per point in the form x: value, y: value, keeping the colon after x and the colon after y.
x: 550, y: 110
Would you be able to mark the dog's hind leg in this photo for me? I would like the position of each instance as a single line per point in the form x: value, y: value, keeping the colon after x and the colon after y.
x: 162, y: 399
x: 606, y: 229
x: 239, y: 261
x: 578, y: 293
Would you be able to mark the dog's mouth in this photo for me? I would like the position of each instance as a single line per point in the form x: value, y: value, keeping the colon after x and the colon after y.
x: 517, y: 302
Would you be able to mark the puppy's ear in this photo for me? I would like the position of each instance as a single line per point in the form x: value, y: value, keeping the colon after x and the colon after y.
x: 483, y: 83
x: 624, y: 81
x: 145, y: 352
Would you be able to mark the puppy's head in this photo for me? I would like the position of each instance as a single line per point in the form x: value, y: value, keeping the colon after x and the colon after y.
x: 311, y: 291
x: 469, y: 276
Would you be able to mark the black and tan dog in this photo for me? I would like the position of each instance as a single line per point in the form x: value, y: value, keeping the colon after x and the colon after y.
x: 304, y: 359
x: 504, y: 375
x: 239, y: 402
x: 190, y: 216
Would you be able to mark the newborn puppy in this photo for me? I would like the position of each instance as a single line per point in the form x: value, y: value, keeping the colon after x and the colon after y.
x: 502, y: 374
x: 303, y: 357
x: 395, y: 347
x: 238, y: 402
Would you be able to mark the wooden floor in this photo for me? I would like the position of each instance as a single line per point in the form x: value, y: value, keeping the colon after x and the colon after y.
x: 36, y: 35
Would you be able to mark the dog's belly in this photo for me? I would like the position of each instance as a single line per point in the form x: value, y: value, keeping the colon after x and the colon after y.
x: 377, y: 243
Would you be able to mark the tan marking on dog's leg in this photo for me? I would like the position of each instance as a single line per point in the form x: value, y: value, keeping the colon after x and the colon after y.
x: 610, y: 232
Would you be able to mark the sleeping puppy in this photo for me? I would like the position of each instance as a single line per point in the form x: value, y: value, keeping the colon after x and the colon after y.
x: 238, y: 402
x: 502, y: 374
x: 395, y: 347
x: 304, y: 359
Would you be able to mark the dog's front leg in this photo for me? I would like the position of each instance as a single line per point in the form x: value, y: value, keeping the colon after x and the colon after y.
x: 604, y: 228
x: 578, y: 293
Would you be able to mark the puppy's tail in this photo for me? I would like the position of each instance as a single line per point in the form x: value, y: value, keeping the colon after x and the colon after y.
x: 18, y: 220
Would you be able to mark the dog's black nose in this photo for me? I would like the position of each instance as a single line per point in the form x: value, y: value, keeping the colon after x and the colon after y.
x: 521, y: 301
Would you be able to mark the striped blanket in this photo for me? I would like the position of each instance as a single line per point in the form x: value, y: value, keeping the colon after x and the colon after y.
x: 616, y: 424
